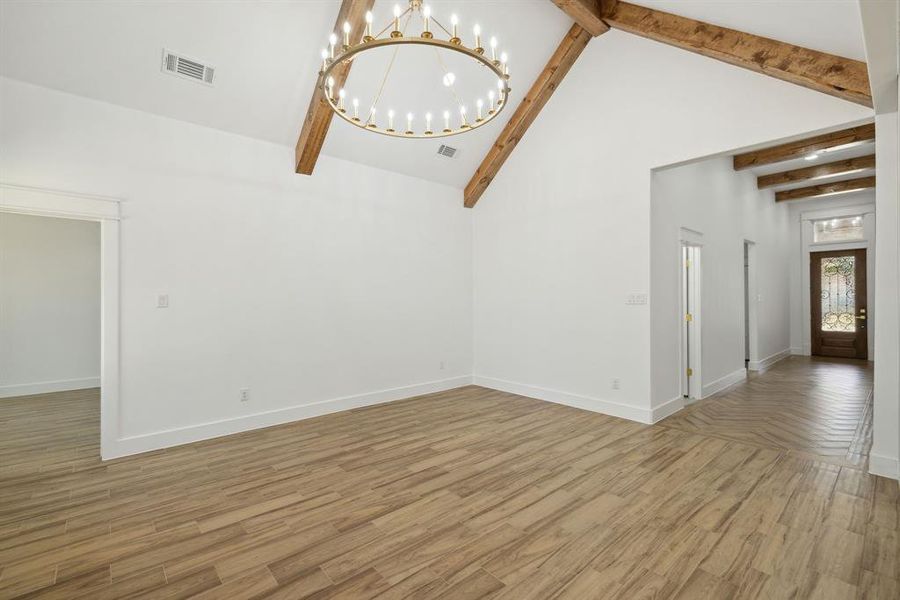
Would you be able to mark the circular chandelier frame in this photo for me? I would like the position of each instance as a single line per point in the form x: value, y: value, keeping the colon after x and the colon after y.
x: 349, y: 51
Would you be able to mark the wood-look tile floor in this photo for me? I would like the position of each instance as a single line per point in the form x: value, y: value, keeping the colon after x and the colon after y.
x: 465, y: 494
x: 818, y: 407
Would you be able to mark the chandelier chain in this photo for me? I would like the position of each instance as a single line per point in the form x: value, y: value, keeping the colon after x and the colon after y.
x: 438, y: 23
x: 390, y: 64
x: 408, y: 11
x: 446, y: 72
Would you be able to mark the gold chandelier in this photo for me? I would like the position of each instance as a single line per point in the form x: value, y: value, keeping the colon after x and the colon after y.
x: 428, y: 127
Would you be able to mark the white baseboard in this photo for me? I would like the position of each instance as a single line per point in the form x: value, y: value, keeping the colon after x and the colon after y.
x: 606, y: 407
x: 885, y: 466
x: 213, y: 429
x: 723, y: 382
x: 47, y: 387
x: 759, y: 365
x: 667, y: 408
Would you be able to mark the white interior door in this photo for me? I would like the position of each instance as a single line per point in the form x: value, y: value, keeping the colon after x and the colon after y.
x: 690, y: 322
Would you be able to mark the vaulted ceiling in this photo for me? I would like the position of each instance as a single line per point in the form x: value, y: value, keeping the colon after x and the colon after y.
x: 839, y: 76
x: 266, y: 59
x: 266, y: 56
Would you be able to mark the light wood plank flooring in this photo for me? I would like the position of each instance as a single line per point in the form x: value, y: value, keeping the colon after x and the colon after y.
x: 465, y: 494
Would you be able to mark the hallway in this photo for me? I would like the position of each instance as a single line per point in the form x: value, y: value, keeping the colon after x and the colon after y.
x: 819, y: 408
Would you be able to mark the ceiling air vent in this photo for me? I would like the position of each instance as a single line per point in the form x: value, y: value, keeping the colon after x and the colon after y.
x: 447, y: 151
x: 189, y: 68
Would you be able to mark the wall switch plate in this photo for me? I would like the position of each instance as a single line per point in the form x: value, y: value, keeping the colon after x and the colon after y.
x: 162, y: 301
x: 636, y: 299
x: 245, y: 394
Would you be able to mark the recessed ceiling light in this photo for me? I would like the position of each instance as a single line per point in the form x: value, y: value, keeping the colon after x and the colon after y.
x: 843, y: 146
x: 837, y: 174
x: 859, y: 189
x: 812, y: 156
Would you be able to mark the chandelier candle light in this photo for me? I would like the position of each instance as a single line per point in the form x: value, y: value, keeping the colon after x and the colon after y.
x: 334, y: 55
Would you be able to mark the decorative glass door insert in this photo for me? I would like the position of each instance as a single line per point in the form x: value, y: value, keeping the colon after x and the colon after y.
x: 838, y: 291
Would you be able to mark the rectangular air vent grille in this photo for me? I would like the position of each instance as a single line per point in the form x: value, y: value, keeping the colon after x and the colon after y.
x: 188, y: 68
x: 447, y: 151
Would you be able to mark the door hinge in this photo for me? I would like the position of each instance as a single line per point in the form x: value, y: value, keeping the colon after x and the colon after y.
x: 690, y: 372
x: 688, y: 317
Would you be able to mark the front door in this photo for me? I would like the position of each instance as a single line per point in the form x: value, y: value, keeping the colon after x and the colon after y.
x: 838, y: 296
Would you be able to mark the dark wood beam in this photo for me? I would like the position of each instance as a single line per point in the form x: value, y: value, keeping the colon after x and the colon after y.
x: 804, y: 147
x: 586, y: 13
x: 848, y: 185
x: 839, y: 167
x: 844, y: 78
x: 318, y: 115
x: 543, y: 87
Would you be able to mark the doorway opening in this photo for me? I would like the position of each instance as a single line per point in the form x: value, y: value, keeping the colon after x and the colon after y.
x: 838, y: 304
x: 746, y: 306
x: 691, y: 387
x: 751, y: 300
x: 50, y: 310
x: 41, y: 202
x: 49, y: 305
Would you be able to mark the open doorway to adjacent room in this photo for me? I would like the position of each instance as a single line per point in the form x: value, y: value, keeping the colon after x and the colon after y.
x: 50, y: 326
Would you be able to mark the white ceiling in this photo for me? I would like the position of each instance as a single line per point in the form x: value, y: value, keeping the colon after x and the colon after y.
x: 266, y: 56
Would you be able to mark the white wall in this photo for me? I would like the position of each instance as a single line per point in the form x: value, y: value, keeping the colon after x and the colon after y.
x: 726, y: 207
x: 881, y: 33
x: 49, y: 304
x: 803, y: 212
x: 562, y: 235
x: 885, y: 453
x: 353, y: 282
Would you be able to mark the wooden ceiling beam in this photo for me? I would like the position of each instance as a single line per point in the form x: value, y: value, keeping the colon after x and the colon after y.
x: 839, y: 167
x: 586, y: 13
x: 849, y: 185
x: 543, y: 87
x: 804, y: 147
x: 837, y: 76
x: 318, y: 115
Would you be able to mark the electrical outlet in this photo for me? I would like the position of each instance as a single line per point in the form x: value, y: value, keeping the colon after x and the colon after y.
x: 245, y: 394
x: 442, y: 365
x: 616, y: 384
x: 162, y: 301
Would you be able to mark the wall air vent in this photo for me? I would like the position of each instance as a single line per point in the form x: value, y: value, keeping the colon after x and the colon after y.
x: 189, y: 68
x: 447, y: 151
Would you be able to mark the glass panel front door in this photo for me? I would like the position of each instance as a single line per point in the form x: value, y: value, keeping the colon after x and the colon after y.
x: 838, y: 303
